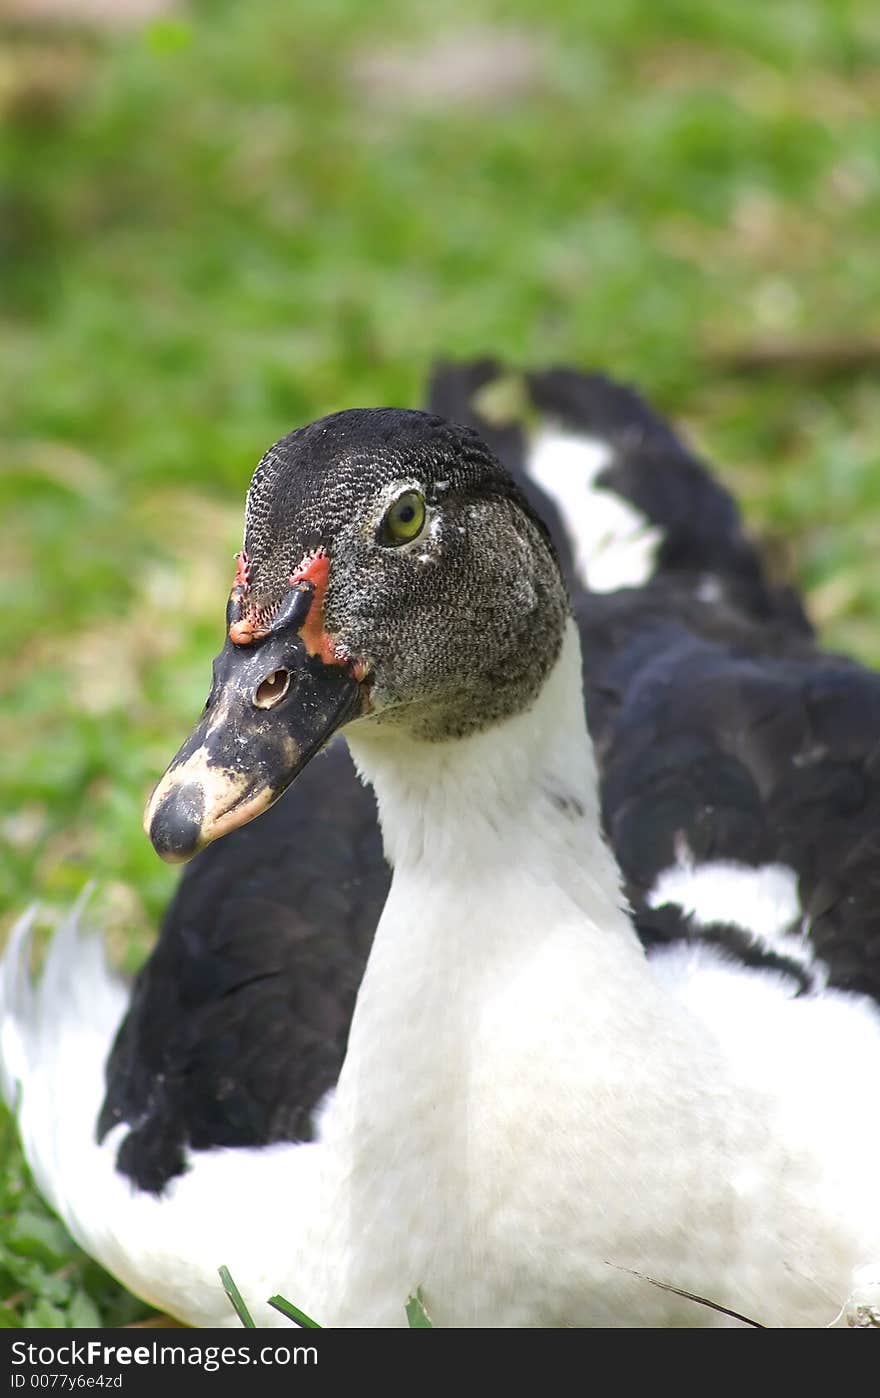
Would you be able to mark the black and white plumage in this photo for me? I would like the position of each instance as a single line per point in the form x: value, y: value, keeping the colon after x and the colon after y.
x: 738, y: 793
x: 679, y: 779
x: 237, y: 1025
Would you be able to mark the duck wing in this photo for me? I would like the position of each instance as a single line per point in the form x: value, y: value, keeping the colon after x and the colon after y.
x: 740, y: 785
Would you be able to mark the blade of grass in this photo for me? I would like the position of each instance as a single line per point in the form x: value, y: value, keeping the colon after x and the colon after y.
x: 692, y: 1296
x: 293, y: 1313
x: 416, y: 1314
x: 236, y: 1299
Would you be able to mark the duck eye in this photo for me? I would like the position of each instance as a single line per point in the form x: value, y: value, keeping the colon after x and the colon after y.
x: 405, y: 519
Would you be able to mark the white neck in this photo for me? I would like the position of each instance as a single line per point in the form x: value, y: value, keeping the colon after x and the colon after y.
x: 520, y: 798
x: 504, y: 896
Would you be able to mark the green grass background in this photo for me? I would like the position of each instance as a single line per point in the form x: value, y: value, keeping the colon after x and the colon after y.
x: 243, y: 215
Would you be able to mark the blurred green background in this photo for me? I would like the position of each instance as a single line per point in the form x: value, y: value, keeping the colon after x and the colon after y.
x: 221, y: 219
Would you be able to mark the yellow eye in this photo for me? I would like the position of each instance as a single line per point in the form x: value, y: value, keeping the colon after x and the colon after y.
x: 405, y: 519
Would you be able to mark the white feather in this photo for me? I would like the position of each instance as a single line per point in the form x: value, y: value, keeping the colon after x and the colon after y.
x: 761, y: 899
x: 55, y: 1036
x: 614, y: 545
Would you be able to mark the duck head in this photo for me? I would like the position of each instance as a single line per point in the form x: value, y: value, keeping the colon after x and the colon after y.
x: 391, y: 574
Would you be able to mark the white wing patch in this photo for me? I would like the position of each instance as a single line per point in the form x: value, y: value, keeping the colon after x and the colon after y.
x: 613, y: 543
x: 762, y: 900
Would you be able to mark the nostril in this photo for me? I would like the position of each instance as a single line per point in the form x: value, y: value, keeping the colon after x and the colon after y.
x: 272, y: 689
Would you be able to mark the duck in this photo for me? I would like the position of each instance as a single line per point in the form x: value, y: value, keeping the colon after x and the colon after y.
x: 594, y: 1046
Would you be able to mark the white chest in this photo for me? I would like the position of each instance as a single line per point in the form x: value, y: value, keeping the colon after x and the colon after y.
x: 526, y: 1117
x: 498, y: 1134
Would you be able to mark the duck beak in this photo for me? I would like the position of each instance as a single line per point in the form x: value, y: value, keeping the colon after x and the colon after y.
x: 272, y: 707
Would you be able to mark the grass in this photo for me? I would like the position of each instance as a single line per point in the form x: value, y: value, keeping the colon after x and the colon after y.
x: 416, y: 1315
x: 243, y: 216
x: 45, y: 1280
